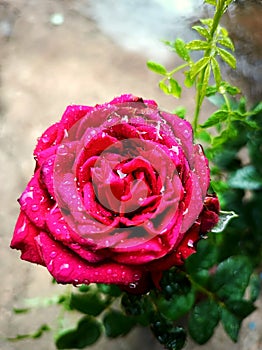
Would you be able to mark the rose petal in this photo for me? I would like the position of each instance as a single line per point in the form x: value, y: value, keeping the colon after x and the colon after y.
x: 35, y: 201
x: 66, y: 267
x: 24, y: 239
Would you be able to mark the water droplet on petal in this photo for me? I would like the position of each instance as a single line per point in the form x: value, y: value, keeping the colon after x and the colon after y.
x: 132, y: 285
x: 45, y: 138
x: 62, y: 150
x: 190, y: 243
x: 136, y: 277
x: 34, y: 207
x: 53, y: 255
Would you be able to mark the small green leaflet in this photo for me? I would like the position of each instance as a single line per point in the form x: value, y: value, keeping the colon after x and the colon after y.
x: 224, y: 218
x: 198, y: 66
x: 215, y: 118
x: 227, y: 57
x: 156, y: 67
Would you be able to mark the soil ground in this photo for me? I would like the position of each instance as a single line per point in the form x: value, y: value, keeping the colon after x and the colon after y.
x: 43, y: 68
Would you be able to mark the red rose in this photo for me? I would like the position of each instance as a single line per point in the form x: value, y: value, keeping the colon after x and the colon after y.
x: 119, y: 194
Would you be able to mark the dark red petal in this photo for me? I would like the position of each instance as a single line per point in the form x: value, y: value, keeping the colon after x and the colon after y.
x: 24, y: 239
x: 67, y: 267
x: 35, y: 201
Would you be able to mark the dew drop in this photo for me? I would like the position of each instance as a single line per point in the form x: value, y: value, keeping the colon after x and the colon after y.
x: 190, y: 243
x: 62, y: 150
x: 45, y: 138
x: 34, y: 207
x: 132, y: 285
x: 136, y: 277
x: 53, y: 255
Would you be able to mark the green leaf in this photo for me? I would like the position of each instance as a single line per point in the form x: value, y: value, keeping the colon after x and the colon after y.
x: 216, y: 71
x: 257, y: 109
x: 254, y: 287
x: 165, y: 88
x: 116, y: 323
x: 109, y: 289
x: 203, y: 320
x: 232, y: 90
x: 180, y: 111
x: 188, y: 81
x: 215, y: 118
x: 211, y: 90
x: 181, y: 49
x: 177, y: 306
x: 227, y: 57
x: 156, y: 67
x: 88, y: 303
x: 198, y: 66
x: 227, y: 42
x: 198, y: 264
x: 211, y: 2
x: 87, y: 332
x: 205, y: 83
x: 231, y: 324
x: 173, y: 338
x: 202, y: 31
x: 247, y: 178
x: 240, y: 308
x: 224, y: 218
x: 231, y: 278
x: 204, y: 136
x: 233, y: 314
x: 174, y: 88
x: 207, y: 22
x: 197, y: 45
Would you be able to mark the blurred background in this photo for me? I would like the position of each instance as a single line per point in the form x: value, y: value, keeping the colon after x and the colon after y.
x: 57, y: 52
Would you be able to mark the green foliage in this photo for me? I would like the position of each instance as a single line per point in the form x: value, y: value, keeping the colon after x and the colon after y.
x: 173, y: 338
x: 117, y: 323
x: 87, y: 333
x: 203, y: 320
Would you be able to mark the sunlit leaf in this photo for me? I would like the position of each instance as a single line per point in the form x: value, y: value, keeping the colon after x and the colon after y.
x: 227, y: 57
x: 211, y: 2
x: 174, y: 88
x: 181, y: 49
x: 198, y: 45
x: 227, y: 42
x: 198, y: 66
x: 188, y: 81
x: 202, y: 31
x: 205, y: 82
x: 216, y: 71
x: 165, y: 88
x: 156, y: 67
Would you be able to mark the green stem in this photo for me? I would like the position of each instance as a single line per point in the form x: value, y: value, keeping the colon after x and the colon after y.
x: 220, y: 9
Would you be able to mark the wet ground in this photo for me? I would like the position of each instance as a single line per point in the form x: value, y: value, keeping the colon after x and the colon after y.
x: 76, y: 56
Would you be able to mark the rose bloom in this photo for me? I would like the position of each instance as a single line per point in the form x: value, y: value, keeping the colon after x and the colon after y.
x: 118, y: 195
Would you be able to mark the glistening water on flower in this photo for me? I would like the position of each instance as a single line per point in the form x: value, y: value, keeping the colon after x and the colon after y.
x: 118, y: 196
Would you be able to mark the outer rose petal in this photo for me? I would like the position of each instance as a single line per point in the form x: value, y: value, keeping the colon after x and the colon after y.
x: 67, y: 267
x: 24, y: 240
